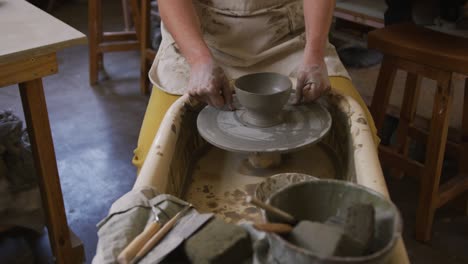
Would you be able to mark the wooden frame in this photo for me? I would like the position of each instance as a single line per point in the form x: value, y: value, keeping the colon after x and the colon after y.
x: 28, y: 73
x: 368, y: 13
x: 147, y: 54
x: 101, y: 42
x: 25, y: 60
x: 432, y: 194
x: 358, y: 18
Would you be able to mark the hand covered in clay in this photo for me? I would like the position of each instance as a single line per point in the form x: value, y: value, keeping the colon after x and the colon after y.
x: 209, y: 84
x: 312, y: 82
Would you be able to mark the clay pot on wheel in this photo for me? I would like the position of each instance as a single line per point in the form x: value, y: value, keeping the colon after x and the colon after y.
x: 263, y: 95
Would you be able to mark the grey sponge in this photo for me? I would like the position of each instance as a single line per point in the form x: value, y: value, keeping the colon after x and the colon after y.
x: 219, y: 242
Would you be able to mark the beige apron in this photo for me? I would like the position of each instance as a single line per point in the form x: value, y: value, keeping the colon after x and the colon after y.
x: 244, y: 36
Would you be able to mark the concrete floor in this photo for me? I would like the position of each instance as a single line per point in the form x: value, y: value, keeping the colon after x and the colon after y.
x: 95, y: 130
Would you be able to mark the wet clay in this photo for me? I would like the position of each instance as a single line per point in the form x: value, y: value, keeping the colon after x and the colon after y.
x: 274, y: 183
x: 221, y: 180
x: 302, y: 126
x: 263, y: 95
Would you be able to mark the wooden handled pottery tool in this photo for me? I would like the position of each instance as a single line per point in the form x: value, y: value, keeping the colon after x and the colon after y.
x: 276, y: 211
x: 132, y: 249
x: 158, y: 236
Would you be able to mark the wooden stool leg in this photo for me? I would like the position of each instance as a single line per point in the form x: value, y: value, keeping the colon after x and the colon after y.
x: 100, y: 60
x: 407, y: 114
x: 144, y: 45
x: 93, y: 61
x: 135, y: 12
x: 95, y: 37
x: 428, y: 194
x: 127, y: 16
x: 383, y: 91
x: 463, y: 163
x: 99, y: 35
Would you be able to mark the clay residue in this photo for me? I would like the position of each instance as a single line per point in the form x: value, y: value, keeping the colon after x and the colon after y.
x: 212, y: 204
x: 211, y: 25
x: 357, y: 133
x: 239, y: 195
x: 250, y: 188
x: 210, y: 193
x: 206, y: 2
x: 232, y: 205
x: 297, y: 15
x: 228, y: 132
x: 234, y: 216
x: 280, y: 32
x: 362, y: 120
x: 251, y: 210
x: 274, y: 18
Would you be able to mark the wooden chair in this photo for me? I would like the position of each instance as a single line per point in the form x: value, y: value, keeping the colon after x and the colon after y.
x: 147, y: 52
x: 101, y: 42
x: 423, y: 53
x: 127, y: 15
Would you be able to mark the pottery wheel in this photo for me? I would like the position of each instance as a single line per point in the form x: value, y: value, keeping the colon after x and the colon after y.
x: 302, y: 125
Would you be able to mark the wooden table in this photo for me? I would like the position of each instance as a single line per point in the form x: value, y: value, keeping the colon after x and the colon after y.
x: 365, y: 12
x: 29, y: 41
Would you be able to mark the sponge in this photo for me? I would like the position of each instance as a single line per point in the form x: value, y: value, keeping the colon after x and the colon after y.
x: 219, y: 242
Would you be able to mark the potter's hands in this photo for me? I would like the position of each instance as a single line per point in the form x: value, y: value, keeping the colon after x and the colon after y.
x: 209, y: 84
x: 312, y: 82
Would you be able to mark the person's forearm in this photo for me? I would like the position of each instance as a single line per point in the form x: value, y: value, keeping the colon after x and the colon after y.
x: 317, y: 16
x: 182, y: 22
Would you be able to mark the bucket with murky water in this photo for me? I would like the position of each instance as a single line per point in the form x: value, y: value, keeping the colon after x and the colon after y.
x: 321, y: 200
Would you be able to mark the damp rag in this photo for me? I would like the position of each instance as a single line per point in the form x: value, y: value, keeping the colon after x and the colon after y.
x: 130, y: 215
x: 20, y: 201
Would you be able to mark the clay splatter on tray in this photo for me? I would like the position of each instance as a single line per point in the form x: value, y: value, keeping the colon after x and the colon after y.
x: 222, y: 180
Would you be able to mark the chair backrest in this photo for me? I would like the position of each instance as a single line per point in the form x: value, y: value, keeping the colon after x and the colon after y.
x: 422, y: 46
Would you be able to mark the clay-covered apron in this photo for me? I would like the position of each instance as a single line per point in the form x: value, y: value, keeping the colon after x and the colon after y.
x: 244, y: 36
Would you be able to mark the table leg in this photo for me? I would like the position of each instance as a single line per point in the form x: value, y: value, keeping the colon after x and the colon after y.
x: 435, y: 149
x: 35, y: 111
x: 95, y: 38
